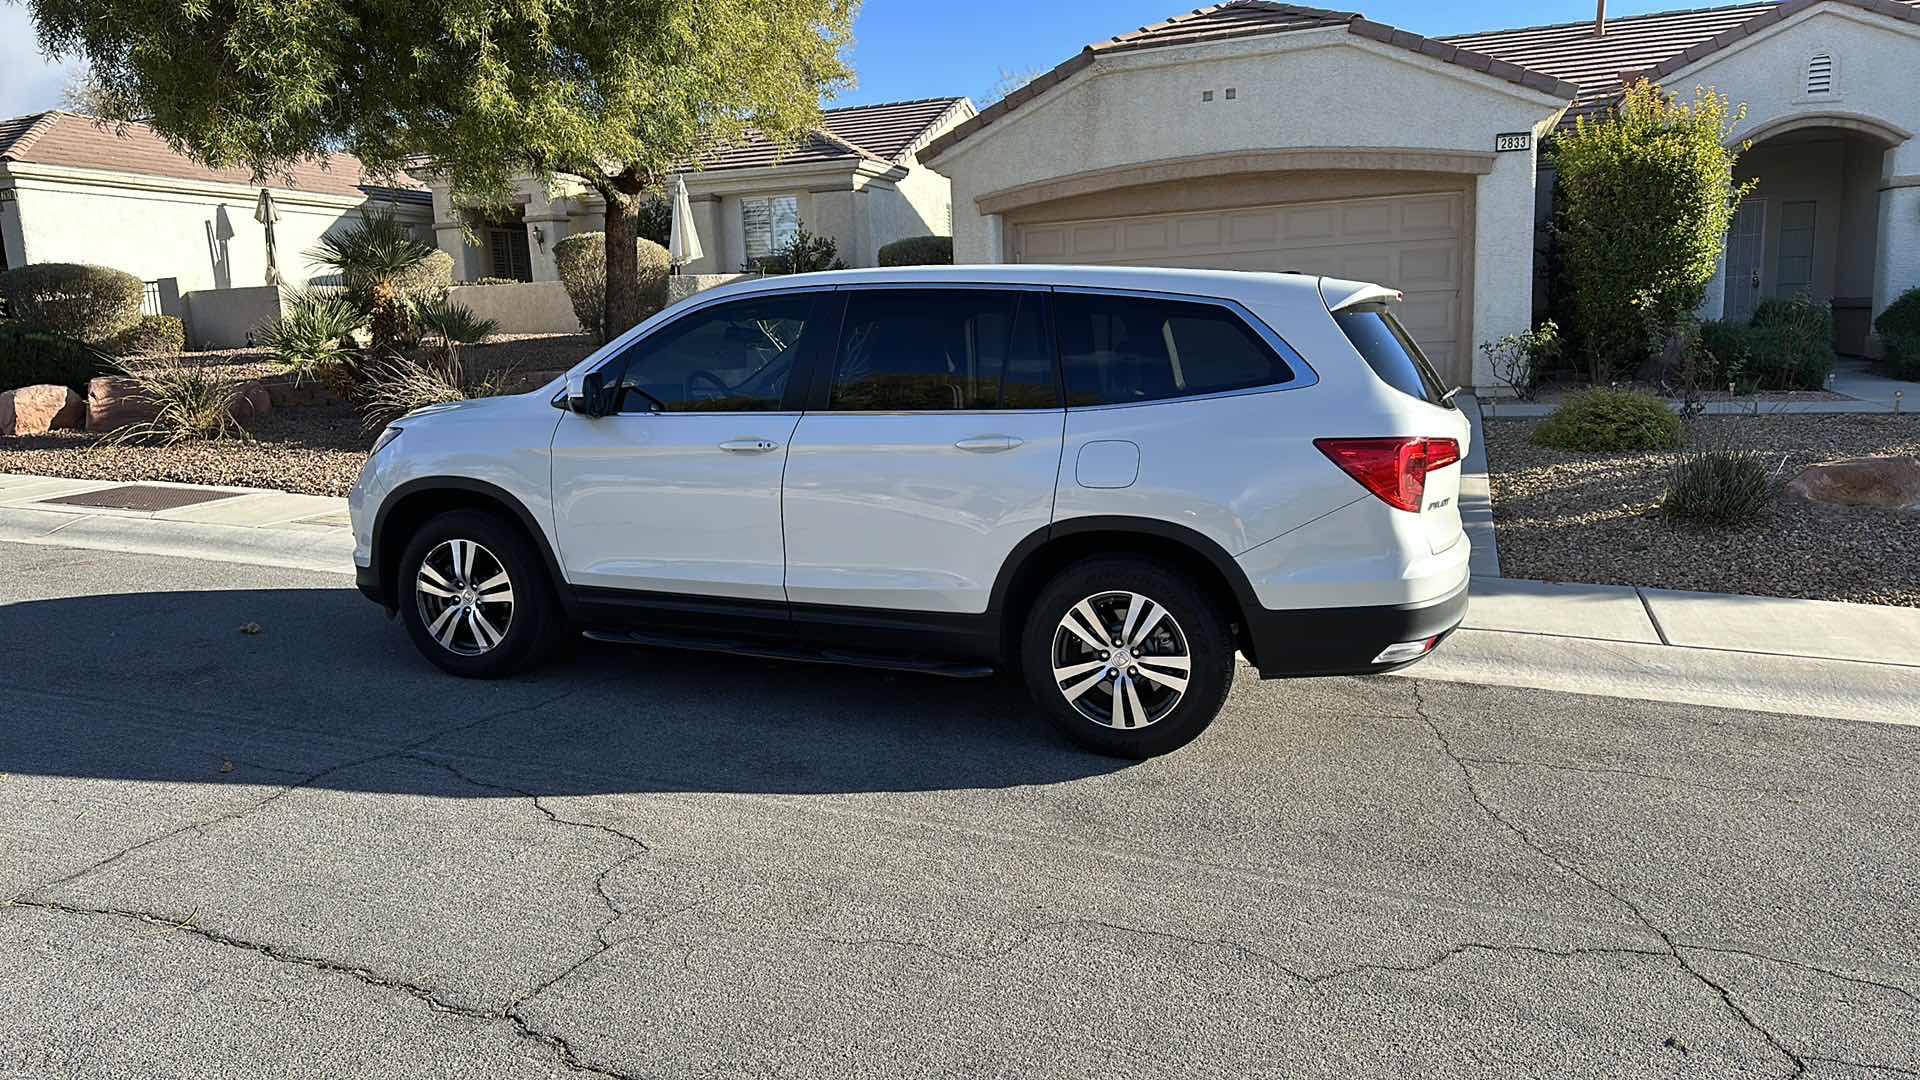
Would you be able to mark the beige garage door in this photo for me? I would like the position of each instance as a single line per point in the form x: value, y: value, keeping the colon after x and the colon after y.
x: 1407, y: 242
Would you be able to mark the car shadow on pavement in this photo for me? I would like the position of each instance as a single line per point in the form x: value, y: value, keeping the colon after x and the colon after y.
x: 315, y: 685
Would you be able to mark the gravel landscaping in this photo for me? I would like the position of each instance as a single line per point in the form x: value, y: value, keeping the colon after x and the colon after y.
x: 1563, y: 516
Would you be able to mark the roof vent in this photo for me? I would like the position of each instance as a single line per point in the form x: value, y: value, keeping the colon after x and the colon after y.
x: 1820, y: 74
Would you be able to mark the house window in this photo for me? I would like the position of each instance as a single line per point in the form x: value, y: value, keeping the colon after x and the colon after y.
x: 1794, y: 271
x: 1820, y: 74
x: 507, y: 253
x: 768, y: 224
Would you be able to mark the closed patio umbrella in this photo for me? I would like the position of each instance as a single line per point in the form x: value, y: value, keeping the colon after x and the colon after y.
x: 266, y: 214
x: 683, y: 244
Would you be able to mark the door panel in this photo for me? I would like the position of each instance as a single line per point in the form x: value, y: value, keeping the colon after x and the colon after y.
x: 655, y: 502
x: 1414, y: 243
x: 1744, y: 243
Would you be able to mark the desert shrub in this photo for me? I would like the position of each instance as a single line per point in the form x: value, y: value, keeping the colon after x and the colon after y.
x: 189, y: 401
x: 1518, y: 360
x: 1790, y: 344
x: 495, y: 281
x: 1605, y: 419
x: 400, y: 384
x: 384, y: 268
x: 582, y: 261
x: 93, y: 304
x: 918, y: 251
x: 428, y: 279
x: 1722, y: 355
x: 1899, y: 328
x: 1719, y: 487
x: 153, y: 335
x: 313, y: 335
x: 806, y: 253
x: 1646, y: 195
x: 30, y: 357
x: 455, y: 323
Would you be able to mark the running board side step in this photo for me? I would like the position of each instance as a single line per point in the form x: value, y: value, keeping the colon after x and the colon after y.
x: 951, y: 669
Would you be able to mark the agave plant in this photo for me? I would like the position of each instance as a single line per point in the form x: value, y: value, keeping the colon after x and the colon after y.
x: 312, y: 336
x: 371, y: 255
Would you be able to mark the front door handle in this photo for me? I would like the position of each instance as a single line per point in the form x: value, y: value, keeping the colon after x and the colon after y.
x: 749, y: 446
x: 989, y: 444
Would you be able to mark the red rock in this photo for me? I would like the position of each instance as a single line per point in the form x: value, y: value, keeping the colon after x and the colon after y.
x: 1889, y: 482
x: 36, y: 410
x: 113, y: 402
x: 253, y: 400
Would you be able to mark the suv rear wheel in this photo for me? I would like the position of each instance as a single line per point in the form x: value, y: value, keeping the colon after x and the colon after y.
x: 1127, y: 657
x: 475, y: 596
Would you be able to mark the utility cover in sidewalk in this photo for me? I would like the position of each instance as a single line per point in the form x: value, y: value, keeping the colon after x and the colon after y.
x: 142, y: 497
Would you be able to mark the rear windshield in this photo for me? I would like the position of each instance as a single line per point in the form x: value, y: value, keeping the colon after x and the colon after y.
x: 1392, y: 353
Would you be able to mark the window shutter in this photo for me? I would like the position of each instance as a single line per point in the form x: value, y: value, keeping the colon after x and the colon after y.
x: 1820, y: 74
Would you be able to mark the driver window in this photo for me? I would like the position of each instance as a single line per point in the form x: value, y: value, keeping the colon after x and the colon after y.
x: 732, y: 357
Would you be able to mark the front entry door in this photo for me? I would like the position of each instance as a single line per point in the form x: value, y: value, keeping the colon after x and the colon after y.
x: 679, y: 491
x: 1745, y: 241
x: 929, y: 450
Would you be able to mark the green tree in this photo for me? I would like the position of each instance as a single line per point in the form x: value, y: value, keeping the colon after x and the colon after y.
x: 1646, y: 196
x: 617, y: 92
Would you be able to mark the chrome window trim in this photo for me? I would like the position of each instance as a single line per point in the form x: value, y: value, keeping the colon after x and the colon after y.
x: 1303, y: 373
x: 694, y: 308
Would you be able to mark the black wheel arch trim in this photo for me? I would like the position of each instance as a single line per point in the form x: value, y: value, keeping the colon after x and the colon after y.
x: 383, y: 577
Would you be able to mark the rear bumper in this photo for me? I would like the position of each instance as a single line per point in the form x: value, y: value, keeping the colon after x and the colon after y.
x: 1343, y: 641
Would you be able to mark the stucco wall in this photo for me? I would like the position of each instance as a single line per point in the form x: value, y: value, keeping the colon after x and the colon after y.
x: 226, y: 318
x: 1875, y: 61
x: 528, y: 307
x: 203, y: 235
x: 1323, y: 89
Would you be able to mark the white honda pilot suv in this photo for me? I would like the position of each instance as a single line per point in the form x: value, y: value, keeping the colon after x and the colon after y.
x: 1107, y: 479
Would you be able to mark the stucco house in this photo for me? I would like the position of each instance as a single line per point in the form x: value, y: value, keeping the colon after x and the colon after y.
x: 1256, y: 135
x: 858, y: 178
x: 73, y: 190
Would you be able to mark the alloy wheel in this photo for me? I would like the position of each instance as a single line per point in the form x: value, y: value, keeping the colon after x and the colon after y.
x: 1121, y: 660
x: 465, y: 597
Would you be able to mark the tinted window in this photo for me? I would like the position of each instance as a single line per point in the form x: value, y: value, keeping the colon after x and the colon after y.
x: 730, y: 357
x: 1392, y: 354
x: 943, y: 349
x: 1123, y: 348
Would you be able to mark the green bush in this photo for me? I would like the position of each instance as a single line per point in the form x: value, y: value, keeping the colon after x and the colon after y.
x: 1790, y: 344
x: 494, y: 281
x: 806, y: 253
x: 1646, y: 195
x: 429, y: 279
x: 312, y: 336
x: 30, y: 357
x: 582, y: 261
x: 153, y: 335
x: 93, y: 304
x: 1725, y: 488
x: 1604, y: 419
x: 1899, y: 328
x: 918, y: 251
x: 1723, y: 356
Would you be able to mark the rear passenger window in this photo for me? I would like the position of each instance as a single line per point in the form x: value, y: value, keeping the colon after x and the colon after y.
x: 942, y: 350
x: 1392, y: 354
x: 1117, y: 349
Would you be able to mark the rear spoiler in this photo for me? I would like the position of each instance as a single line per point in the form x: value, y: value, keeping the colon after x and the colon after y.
x: 1346, y: 295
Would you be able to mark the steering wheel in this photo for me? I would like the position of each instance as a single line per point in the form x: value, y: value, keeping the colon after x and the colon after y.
x: 709, y: 376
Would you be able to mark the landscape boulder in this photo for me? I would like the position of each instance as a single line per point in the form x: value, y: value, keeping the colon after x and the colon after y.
x: 36, y: 410
x: 1889, y: 482
x: 252, y: 401
x: 114, y: 402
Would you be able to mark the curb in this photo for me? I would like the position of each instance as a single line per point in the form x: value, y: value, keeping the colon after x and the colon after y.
x: 293, y: 546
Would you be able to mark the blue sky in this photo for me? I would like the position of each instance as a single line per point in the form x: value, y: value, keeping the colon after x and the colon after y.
x: 920, y: 48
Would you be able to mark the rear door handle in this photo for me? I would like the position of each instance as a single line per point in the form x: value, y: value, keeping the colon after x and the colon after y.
x: 749, y: 446
x: 989, y: 444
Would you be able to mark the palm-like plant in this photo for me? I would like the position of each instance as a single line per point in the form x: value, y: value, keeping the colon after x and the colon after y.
x: 370, y: 255
x: 454, y: 323
x: 310, y: 338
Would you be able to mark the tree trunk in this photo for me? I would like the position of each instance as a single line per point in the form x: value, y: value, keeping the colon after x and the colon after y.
x: 623, y: 260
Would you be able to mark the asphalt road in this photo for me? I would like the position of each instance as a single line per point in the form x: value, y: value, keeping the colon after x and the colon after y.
x: 302, y: 852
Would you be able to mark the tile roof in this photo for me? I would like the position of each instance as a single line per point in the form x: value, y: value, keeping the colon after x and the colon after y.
x: 1251, y: 18
x: 74, y: 141
x: 1653, y: 45
x: 884, y: 133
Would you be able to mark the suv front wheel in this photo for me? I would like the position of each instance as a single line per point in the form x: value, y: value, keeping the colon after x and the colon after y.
x: 475, y: 596
x: 1127, y: 657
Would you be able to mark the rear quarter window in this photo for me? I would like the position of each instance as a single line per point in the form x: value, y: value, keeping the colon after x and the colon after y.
x: 1120, y: 349
x: 1392, y: 353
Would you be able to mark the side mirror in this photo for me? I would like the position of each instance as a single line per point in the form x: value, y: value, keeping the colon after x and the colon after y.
x: 587, y: 394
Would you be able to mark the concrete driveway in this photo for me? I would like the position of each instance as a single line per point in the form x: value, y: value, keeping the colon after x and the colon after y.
x: 302, y: 852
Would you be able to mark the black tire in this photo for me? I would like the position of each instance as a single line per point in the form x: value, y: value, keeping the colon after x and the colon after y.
x: 534, y: 620
x: 1198, y: 624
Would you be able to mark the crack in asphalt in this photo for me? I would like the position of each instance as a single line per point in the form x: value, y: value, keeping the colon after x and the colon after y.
x: 1864, y: 1066
x: 1673, y: 949
x: 1602, y: 771
x: 434, y: 999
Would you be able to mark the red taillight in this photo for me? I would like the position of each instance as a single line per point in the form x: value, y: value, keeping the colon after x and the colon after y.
x: 1395, y: 469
